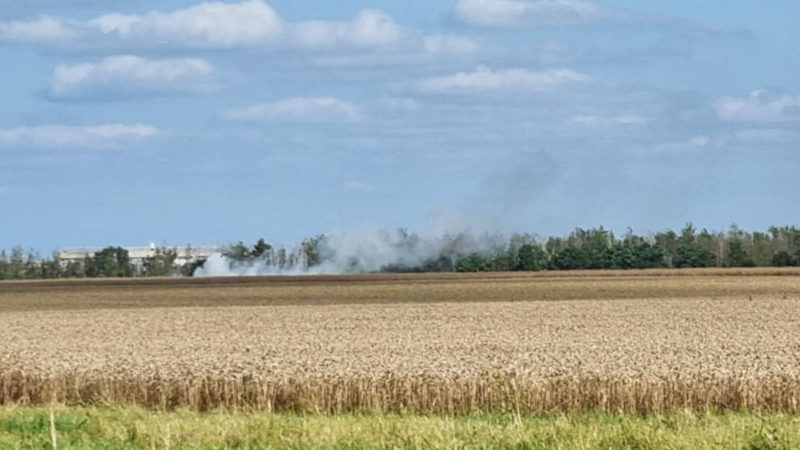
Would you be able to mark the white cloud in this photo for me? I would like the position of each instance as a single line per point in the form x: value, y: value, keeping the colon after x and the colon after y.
x: 695, y: 143
x: 518, y: 14
x: 450, y: 45
x: 298, y: 110
x: 131, y: 75
x: 211, y: 24
x: 514, y: 80
x: 749, y: 139
x: 250, y: 23
x: 107, y: 135
x: 758, y: 107
x: 610, y: 121
x: 369, y: 29
x: 700, y: 141
x: 42, y: 30
x: 206, y: 25
x: 242, y: 25
x: 398, y: 104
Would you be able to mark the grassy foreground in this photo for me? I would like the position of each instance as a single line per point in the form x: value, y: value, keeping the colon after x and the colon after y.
x: 132, y: 428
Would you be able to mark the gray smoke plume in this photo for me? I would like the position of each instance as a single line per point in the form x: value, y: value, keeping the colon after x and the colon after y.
x: 362, y: 252
x: 504, y: 199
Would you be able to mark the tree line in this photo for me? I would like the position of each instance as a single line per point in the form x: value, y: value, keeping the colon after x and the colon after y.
x: 108, y: 262
x: 598, y: 248
x: 595, y: 248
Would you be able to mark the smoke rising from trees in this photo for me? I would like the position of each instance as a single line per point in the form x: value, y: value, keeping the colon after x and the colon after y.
x: 403, y: 251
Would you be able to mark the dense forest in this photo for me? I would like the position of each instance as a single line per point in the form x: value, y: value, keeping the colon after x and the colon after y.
x: 595, y: 248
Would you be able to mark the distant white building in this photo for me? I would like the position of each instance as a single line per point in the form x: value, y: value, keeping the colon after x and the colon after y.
x: 139, y: 254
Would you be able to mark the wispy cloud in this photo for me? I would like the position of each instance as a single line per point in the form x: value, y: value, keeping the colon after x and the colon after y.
x: 398, y: 104
x: 695, y: 143
x: 700, y: 141
x: 509, y: 80
x: 451, y: 45
x: 127, y: 75
x: 298, y: 110
x: 519, y: 14
x: 759, y: 107
x: 599, y: 121
x: 768, y: 135
x: 369, y: 29
x: 106, y: 135
x: 43, y: 30
x: 360, y: 186
x: 748, y: 139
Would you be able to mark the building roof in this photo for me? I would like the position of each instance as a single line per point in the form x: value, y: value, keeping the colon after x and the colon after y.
x: 188, y: 252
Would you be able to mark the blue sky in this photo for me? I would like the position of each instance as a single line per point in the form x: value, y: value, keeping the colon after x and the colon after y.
x: 189, y: 122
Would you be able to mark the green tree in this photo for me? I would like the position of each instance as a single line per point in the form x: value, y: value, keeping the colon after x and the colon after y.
x: 161, y: 263
x: 261, y: 249
x: 713, y: 243
x: 473, y: 262
x: 16, y: 265
x: 762, y: 248
x: 531, y: 257
x: 598, y: 246
x: 440, y: 264
x: 500, y: 261
x: 737, y: 255
x: 110, y: 262
x: 33, y: 267
x: 5, y: 266
x: 237, y: 252
x: 312, y: 250
x: 193, y: 264
x: 570, y: 258
x: 636, y: 253
x: 52, y: 268
x: 693, y: 255
x: 74, y: 269
x: 783, y: 259
x: 667, y: 244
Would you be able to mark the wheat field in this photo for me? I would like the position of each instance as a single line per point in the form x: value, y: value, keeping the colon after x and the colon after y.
x: 621, y: 342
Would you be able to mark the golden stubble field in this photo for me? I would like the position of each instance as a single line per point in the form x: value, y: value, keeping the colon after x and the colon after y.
x: 643, y: 342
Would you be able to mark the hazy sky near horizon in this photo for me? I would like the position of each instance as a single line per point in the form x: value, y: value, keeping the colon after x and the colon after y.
x: 179, y: 121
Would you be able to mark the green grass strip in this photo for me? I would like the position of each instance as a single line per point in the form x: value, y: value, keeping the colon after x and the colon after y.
x: 134, y: 428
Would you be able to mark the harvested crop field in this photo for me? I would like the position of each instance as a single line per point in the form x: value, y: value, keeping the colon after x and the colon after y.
x: 639, y: 342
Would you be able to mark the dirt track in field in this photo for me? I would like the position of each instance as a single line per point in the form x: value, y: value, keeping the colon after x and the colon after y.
x: 395, y: 288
